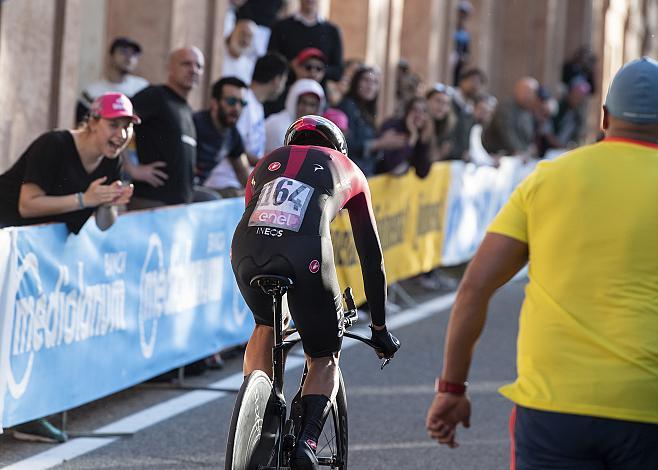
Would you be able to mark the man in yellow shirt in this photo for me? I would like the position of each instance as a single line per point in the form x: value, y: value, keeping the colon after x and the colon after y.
x: 587, y: 223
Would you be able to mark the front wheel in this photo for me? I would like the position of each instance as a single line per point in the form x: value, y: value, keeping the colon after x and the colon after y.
x: 332, y: 444
x: 254, y: 425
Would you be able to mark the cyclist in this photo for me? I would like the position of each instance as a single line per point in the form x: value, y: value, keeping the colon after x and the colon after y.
x: 292, y: 196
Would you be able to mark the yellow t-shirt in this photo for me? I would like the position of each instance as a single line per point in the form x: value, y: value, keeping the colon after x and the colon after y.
x: 588, y: 330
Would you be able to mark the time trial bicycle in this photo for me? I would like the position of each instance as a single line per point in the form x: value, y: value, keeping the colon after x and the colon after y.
x: 262, y: 434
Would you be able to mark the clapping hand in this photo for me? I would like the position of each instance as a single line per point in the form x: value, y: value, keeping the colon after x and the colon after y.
x: 125, y: 193
x: 98, y: 194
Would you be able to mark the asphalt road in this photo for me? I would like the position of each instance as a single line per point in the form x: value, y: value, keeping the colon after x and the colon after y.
x: 386, y: 409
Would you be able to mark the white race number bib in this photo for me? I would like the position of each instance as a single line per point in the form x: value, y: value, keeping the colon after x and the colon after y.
x: 282, y: 204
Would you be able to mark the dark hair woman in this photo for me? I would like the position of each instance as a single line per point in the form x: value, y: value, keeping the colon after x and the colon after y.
x: 417, y: 128
x: 439, y: 105
x: 360, y: 106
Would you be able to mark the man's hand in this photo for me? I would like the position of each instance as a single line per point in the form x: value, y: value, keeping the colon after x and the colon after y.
x: 388, y: 344
x: 150, y: 173
x: 445, y: 412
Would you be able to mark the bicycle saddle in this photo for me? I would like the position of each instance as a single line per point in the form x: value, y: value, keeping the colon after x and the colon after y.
x: 267, y: 282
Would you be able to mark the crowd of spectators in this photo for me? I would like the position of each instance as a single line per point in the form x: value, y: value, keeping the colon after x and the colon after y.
x: 275, y: 69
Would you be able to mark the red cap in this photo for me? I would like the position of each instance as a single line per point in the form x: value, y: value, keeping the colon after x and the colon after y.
x: 308, y: 53
x: 113, y: 105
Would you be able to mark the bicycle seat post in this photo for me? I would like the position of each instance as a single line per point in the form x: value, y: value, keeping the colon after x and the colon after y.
x: 276, y: 287
x: 277, y: 353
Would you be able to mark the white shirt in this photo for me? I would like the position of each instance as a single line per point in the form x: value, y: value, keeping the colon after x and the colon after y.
x: 129, y: 86
x: 251, y: 125
x: 241, y: 67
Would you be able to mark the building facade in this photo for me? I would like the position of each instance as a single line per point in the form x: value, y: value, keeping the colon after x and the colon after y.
x: 50, y: 48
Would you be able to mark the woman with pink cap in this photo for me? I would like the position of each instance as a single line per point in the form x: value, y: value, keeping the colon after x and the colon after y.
x: 66, y: 175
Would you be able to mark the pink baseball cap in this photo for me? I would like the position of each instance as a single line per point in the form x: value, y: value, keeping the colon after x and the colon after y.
x: 113, y: 105
x: 338, y: 117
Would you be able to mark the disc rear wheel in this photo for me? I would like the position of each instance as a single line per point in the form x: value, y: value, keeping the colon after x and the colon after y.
x: 254, y: 425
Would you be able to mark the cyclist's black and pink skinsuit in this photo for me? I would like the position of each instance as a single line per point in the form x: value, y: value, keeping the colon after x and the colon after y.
x: 292, y: 196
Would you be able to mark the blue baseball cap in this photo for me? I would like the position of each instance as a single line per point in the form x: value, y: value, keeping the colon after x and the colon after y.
x: 633, y: 93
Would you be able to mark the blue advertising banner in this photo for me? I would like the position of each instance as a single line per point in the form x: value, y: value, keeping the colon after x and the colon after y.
x: 86, y: 315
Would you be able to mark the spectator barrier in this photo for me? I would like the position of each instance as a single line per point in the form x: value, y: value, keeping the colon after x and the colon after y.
x: 431, y: 222
x: 90, y: 314
x: 87, y: 315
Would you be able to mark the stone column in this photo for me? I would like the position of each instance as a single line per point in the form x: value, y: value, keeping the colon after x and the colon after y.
x: 94, y: 54
x: 371, y: 31
x: 482, y: 29
x: 424, y: 38
x: 518, y: 43
x: 38, y: 62
x: 352, y: 19
x: 163, y: 25
x: 651, y: 21
x: 66, y: 94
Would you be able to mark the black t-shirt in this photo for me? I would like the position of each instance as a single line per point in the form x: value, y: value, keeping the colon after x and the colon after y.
x: 213, y: 146
x: 290, y: 37
x: 53, y: 163
x: 261, y: 12
x: 166, y: 134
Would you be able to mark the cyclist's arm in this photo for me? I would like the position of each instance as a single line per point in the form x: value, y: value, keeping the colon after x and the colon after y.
x: 250, y: 184
x: 367, y: 243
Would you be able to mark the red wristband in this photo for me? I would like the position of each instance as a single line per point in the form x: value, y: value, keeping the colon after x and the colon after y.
x: 443, y: 386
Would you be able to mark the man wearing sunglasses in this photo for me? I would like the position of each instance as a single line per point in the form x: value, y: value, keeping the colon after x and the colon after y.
x: 218, y: 138
x: 310, y: 63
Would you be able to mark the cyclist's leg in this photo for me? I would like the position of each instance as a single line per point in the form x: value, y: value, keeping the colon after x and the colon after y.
x: 258, y: 354
x: 316, y: 308
x: 318, y: 394
x: 322, y: 377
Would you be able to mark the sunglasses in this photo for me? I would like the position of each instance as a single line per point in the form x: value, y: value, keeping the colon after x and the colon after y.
x: 314, y: 68
x: 232, y: 101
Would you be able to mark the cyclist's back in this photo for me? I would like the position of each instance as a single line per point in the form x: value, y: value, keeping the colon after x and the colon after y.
x: 328, y: 180
x: 293, y: 195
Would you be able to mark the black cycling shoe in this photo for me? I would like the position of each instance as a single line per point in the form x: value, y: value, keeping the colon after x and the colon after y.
x: 304, y: 457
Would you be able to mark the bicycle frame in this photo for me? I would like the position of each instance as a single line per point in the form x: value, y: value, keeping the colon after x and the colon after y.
x: 281, y: 346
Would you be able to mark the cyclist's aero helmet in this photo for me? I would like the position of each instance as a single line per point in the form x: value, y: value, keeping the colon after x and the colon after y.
x: 316, y: 130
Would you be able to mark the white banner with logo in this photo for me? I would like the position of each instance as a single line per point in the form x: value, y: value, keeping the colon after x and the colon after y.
x: 86, y: 315
x: 476, y: 195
